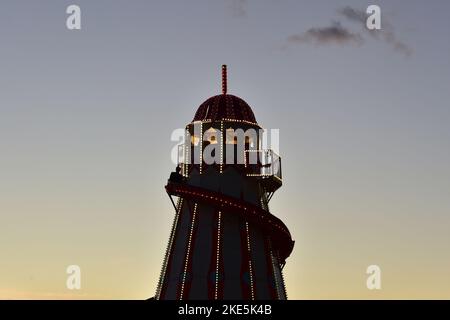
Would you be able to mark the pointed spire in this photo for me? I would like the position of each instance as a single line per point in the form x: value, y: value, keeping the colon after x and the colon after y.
x: 224, y: 79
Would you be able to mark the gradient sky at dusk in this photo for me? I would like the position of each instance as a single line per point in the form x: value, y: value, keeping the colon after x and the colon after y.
x: 86, y: 118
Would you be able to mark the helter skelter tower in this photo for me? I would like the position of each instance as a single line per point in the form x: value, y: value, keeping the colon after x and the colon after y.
x: 224, y: 243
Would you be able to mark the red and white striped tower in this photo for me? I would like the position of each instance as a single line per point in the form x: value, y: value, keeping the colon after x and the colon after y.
x: 224, y: 243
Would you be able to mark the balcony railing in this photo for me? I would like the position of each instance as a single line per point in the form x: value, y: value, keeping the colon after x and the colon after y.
x: 260, y: 163
x: 264, y: 163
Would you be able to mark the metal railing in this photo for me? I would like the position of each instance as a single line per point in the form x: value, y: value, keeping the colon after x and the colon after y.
x: 268, y: 163
x: 263, y: 163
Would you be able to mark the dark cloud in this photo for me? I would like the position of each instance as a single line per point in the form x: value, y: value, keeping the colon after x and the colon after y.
x: 353, y: 14
x: 338, y: 34
x: 238, y: 8
x: 326, y: 35
x: 387, y: 32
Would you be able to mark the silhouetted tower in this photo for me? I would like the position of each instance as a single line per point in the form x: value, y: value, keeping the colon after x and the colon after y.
x: 224, y: 243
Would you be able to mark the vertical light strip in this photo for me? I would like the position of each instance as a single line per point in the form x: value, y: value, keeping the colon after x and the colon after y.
x: 188, y: 251
x: 250, y: 261
x: 283, y: 284
x: 183, y: 165
x: 201, y: 147
x: 169, y: 246
x: 217, y: 255
x: 262, y: 203
x: 187, y: 146
x: 221, y: 146
x: 275, y: 268
x: 245, y: 157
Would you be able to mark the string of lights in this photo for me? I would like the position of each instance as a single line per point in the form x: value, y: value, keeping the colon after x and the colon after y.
x: 188, y: 251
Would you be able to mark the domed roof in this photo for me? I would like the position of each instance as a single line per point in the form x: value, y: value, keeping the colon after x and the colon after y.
x: 224, y: 107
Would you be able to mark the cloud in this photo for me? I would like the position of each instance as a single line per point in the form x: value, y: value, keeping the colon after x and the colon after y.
x: 386, y: 34
x: 238, y: 8
x: 338, y: 34
x: 353, y: 14
x: 326, y: 35
x: 399, y: 46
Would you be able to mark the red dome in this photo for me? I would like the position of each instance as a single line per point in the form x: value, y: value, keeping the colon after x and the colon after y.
x: 223, y: 107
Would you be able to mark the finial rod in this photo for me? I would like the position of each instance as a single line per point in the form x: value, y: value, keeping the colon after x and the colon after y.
x: 224, y: 79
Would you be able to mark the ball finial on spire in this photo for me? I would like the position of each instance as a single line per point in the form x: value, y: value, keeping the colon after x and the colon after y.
x: 224, y: 79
